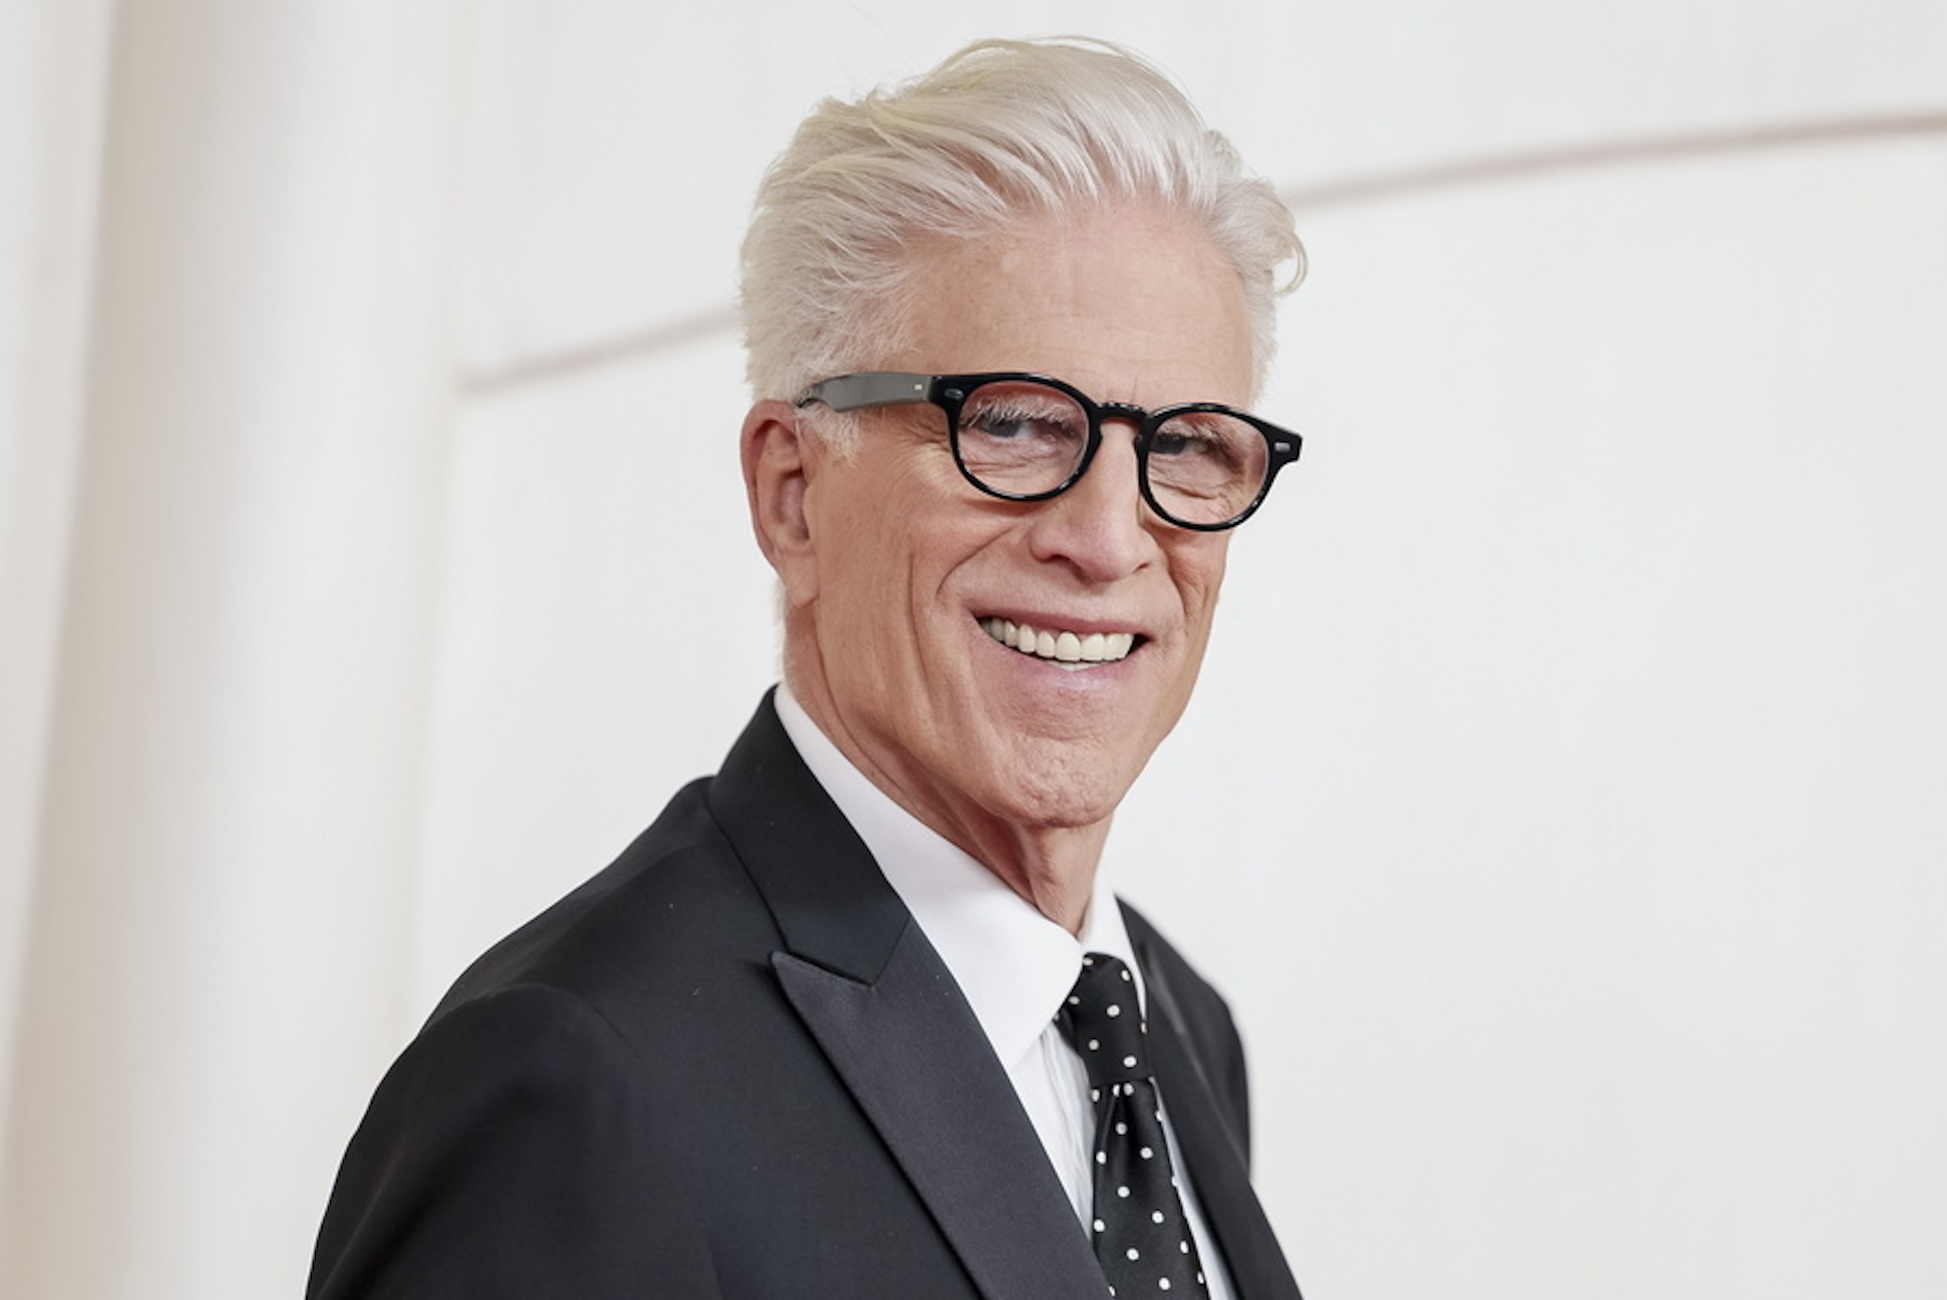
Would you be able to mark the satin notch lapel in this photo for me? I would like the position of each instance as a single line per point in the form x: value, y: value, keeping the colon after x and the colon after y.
x: 916, y: 1059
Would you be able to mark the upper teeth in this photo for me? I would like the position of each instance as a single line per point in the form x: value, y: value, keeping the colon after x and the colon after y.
x: 1062, y: 647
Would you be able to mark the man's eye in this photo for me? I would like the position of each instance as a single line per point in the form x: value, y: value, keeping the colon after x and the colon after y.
x: 1004, y: 428
x: 1004, y: 424
x: 1216, y: 441
x: 1179, y: 441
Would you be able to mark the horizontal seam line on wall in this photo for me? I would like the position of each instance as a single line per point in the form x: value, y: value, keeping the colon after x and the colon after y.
x: 1493, y: 168
x: 544, y: 367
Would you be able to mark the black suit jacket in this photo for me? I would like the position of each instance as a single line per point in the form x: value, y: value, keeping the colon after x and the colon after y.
x: 732, y: 1066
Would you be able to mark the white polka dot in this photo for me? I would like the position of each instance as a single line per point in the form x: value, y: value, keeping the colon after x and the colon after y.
x: 1134, y: 1253
x: 1094, y: 1044
x: 1146, y: 1153
x: 1127, y: 1061
x: 1121, y: 1128
x: 1122, y: 1192
x: 1114, y: 1009
x: 1100, y: 1226
x: 1155, y: 1216
x: 1125, y: 973
x: 1101, y: 1157
x: 1162, y: 1284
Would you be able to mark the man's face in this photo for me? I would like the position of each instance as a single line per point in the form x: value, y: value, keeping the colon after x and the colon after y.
x: 910, y: 565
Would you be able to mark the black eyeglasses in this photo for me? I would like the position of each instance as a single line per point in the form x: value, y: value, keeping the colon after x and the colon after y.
x: 1025, y: 437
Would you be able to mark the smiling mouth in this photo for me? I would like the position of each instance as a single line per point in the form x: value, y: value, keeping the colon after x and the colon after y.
x: 1070, y: 649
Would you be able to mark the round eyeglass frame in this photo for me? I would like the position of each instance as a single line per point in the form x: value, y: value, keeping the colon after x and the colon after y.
x: 867, y: 389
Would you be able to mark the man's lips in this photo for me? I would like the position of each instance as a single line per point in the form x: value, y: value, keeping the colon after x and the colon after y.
x: 1059, y: 645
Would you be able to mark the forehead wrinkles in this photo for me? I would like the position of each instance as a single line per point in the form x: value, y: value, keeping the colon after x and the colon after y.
x: 1130, y: 306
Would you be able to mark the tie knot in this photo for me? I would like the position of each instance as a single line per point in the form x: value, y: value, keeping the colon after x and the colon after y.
x: 1103, y: 1022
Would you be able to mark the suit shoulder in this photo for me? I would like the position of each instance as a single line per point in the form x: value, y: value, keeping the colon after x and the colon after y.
x: 673, y: 906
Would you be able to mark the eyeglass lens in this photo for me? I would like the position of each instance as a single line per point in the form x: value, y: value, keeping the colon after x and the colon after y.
x: 1023, y: 439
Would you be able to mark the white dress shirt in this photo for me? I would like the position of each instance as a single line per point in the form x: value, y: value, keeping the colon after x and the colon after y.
x: 1014, y: 965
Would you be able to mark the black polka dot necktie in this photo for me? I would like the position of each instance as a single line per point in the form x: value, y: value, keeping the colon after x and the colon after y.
x: 1139, y: 1231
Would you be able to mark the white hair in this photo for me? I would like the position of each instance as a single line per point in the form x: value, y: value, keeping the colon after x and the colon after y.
x: 999, y: 131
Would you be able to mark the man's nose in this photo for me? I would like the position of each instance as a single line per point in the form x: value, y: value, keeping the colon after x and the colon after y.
x: 1101, y: 525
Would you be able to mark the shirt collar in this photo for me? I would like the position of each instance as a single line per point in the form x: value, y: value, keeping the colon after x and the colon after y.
x: 1014, y: 965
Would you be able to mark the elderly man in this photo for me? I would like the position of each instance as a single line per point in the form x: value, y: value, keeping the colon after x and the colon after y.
x: 858, y: 1016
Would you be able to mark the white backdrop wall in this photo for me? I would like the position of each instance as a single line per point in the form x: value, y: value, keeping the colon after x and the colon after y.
x: 52, y: 78
x: 1563, y: 803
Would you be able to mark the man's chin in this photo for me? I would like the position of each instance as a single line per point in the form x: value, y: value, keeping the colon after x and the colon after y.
x: 1061, y: 801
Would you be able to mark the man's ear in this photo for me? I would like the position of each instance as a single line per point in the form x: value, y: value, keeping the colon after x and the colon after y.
x: 778, y: 458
